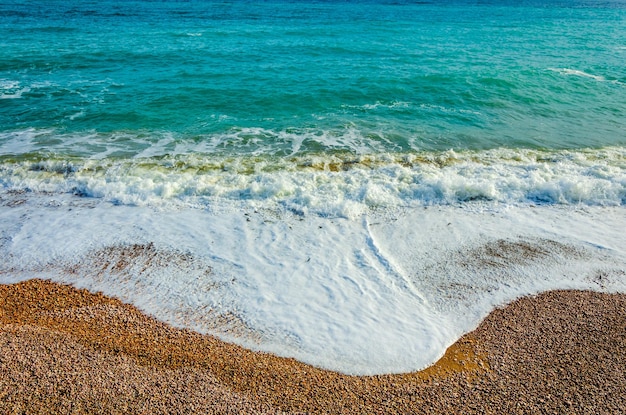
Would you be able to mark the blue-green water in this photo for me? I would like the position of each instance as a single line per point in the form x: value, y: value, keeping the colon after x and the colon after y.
x: 136, y: 81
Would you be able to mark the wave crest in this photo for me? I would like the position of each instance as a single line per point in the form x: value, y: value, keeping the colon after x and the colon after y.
x: 334, y: 185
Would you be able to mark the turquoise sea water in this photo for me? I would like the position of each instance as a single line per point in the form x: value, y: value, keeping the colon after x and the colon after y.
x: 138, y: 81
x: 351, y: 183
x: 298, y: 77
x: 199, y: 81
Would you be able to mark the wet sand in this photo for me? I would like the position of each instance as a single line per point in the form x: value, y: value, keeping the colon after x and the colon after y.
x: 64, y: 350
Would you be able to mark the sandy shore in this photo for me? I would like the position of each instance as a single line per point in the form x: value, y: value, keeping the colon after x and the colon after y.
x: 64, y: 350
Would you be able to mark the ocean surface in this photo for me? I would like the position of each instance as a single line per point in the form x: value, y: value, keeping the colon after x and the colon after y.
x: 353, y: 183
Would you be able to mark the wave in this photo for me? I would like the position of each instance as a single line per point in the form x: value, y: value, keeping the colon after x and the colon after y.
x: 10, y: 89
x: 583, y: 74
x: 576, y: 72
x: 339, y: 184
x: 239, y: 141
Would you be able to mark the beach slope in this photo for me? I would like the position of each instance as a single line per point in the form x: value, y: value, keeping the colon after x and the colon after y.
x: 64, y: 350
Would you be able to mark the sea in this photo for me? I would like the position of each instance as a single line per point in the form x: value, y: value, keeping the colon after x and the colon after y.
x: 354, y: 184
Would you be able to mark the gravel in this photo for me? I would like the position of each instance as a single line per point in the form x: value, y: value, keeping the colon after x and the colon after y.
x: 64, y: 350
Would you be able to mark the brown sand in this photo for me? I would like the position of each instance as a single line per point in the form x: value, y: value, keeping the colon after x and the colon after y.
x: 64, y: 350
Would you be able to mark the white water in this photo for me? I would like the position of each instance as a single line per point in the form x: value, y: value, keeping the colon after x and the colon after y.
x: 386, y: 291
x: 333, y: 185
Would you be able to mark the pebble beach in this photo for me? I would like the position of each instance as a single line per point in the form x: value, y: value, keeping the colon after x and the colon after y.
x: 65, y: 350
x: 290, y: 207
x: 312, y: 207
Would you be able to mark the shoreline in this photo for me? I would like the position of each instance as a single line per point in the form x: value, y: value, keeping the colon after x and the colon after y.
x: 64, y: 349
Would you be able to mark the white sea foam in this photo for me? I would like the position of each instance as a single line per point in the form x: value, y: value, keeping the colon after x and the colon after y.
x: 77, y: 115
x: 250, y: 141
x: 8, y: 84
x: 386, y: 291
x: 389, y: 105
x: 358, y: 263
x: 10, y: 89
x: 334, y: 185
x: 576, y: 72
